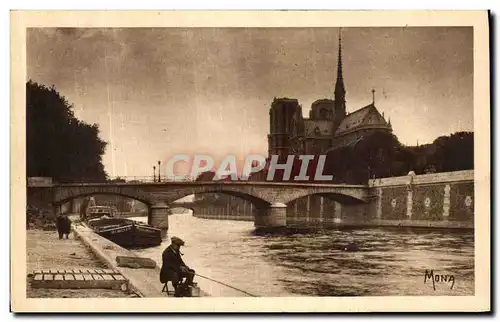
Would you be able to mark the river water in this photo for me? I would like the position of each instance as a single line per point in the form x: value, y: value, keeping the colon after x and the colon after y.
x: 339, y: 262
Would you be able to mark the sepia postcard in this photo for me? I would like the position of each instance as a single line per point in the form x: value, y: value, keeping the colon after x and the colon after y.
x: 250, y: 161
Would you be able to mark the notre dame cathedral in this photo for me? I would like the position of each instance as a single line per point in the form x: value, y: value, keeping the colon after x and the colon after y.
x: 328, y: 127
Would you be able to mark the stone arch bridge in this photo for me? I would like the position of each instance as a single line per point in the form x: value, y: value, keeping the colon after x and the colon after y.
x: 270, y: 198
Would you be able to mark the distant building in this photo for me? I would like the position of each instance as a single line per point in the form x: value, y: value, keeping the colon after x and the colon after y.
x: 329, y: 126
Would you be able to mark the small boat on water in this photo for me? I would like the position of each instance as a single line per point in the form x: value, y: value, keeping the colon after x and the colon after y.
x: 124, y: 232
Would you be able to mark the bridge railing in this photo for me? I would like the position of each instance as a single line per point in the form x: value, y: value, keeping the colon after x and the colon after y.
x: 147, y: 179
x: 166, y: 179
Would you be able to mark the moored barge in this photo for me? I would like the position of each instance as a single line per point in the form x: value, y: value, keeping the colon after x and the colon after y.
x: 124, y: 232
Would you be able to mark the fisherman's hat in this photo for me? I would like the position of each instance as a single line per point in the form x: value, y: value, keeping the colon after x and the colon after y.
x: 177, y: 240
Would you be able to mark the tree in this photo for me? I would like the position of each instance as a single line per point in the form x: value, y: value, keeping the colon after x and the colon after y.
x: 454, y: 152
x: 58, y: 145
x: 206, y: 176
x: 378, y: 154
x: 446, y: 153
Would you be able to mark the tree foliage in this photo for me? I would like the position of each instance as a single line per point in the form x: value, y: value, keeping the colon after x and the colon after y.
x: 206, y: 176
x: 58, y: 145
x: 454, y: 152
x: 379, y: 154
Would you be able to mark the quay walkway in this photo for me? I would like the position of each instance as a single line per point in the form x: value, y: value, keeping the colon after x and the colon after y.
x: 51, y: 256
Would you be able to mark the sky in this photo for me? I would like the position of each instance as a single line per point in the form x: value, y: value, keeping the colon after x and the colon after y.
x: 158, y: 92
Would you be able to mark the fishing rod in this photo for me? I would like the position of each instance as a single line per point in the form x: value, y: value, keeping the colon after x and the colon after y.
x: 208, y: 278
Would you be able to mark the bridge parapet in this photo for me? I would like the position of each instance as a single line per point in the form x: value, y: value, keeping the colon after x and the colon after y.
x: 431, y: 178
x: 259, y: 193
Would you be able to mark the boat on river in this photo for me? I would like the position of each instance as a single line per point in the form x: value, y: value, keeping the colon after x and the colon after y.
x: 94, y: 212
x: 124, y: 232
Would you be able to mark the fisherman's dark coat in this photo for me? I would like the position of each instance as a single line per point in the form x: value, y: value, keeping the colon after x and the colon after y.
x: 171, y: 266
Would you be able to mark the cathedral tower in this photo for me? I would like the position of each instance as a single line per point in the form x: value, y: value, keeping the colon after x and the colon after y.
x: 283, y: 122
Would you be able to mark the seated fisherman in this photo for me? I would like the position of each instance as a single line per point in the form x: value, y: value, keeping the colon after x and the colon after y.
x: 173, y: 267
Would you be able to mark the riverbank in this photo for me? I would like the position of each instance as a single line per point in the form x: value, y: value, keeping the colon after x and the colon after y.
x: 44, y: 250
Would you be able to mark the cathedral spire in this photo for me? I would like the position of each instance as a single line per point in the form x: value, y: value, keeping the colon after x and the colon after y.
x: 339, y: 86
x: 340, y: 108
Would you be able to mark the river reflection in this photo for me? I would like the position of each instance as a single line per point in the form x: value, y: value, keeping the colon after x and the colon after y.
x: 347, y: 262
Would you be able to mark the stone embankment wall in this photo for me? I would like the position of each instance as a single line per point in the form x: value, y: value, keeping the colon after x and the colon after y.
x: 435, y: 200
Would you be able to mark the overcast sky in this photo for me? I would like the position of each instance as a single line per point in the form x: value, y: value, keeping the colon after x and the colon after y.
x: 160, y: 92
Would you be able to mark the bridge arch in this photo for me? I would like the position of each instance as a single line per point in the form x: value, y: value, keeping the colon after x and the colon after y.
x: 345, y: 199
x: 64, y: 193
x: 151, y: 194
x: 257, y: 201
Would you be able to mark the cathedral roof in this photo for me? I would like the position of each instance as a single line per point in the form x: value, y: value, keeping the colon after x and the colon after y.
x: 355, y: 118
x: 366, y: 117
x: 349, y: 142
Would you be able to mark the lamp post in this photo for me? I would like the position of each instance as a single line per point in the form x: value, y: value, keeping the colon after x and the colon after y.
x: 159, y: 178
x: 154, y: 174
